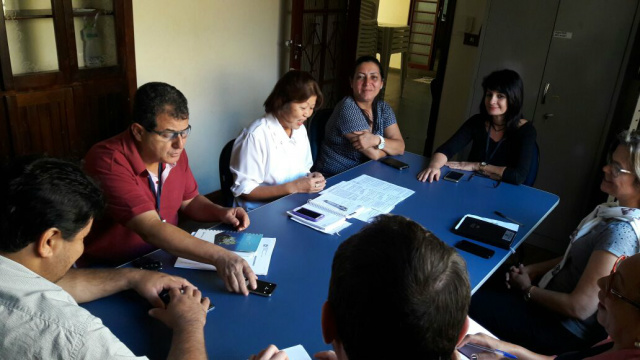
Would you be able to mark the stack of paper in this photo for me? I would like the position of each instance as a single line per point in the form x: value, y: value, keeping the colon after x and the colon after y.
x: 259, y: 259
x: 374, y: 195
x: 362, y: 198
x: 329, y: 224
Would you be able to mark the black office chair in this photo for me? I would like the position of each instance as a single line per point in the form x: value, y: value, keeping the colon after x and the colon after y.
x: 226, y: 178
x: 316, y: 130
x: 533, y: 168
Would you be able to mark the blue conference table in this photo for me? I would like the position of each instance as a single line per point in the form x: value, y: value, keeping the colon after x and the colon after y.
x: 301, y: 264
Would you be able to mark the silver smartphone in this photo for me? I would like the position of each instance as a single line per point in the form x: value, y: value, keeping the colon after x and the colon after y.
x: 454, y: 176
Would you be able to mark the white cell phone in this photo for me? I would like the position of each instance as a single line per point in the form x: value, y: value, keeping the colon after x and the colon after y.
x: 454, y: 176
x: 308, y: 214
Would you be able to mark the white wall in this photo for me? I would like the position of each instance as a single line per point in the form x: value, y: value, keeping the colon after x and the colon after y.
x: 455, y: 105
x: 222, y: 54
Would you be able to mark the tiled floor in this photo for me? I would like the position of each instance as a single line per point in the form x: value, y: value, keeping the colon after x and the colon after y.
x: 412, y: 108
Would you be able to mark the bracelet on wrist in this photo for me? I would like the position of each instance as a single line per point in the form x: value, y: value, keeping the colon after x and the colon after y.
x: 527, y: 293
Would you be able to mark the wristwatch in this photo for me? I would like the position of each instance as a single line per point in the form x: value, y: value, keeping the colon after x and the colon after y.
x: 482, y: 166
x: 381, y: 145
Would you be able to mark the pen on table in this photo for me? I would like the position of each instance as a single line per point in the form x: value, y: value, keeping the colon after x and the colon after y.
x: 508, y: 218
x: 495, y: 351
x: 338, y: 206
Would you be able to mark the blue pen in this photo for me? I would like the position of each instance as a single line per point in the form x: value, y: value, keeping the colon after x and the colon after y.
x: 495, y: 351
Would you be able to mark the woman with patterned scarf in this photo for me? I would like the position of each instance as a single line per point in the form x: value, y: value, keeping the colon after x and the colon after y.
x: 551, y: 306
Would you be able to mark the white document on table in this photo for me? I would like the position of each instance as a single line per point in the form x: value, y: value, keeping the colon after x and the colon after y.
x: 297, y: 352
x: 372, y: 193
x: 259, y: 260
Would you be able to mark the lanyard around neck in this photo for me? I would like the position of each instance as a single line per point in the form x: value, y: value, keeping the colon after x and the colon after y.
x: 153, y: 188
x: 486, y: 149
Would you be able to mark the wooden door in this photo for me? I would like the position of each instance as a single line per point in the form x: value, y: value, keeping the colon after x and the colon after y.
x: 43, y: 122
x: 321, y: 40
x: 101, y: 111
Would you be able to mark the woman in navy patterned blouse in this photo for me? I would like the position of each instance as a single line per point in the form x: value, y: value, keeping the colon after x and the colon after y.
x: 361, y: 127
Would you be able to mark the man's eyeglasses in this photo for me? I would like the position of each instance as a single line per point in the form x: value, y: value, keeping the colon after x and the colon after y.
x: 616, y: 293
x: 169, y: 135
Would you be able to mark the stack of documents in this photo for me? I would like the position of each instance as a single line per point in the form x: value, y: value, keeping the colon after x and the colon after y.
x: 331, y: 223
x: 374, y: 195
x: 362, y: 198
x: 254, y: 248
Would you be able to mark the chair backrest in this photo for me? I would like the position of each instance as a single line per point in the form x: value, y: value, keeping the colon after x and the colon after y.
x: 533, y: 168
x: 316, y: 130
x: 226, y: 177
x: 369, y: 10
x: 367, y: 38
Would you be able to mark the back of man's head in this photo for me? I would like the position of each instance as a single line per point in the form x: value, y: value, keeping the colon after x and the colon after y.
x: 37, y: 194
x: 155, y: 98
x: 397, y: 289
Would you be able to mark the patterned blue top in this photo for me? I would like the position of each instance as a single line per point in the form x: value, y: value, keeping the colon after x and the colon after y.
x: 613, y: 236
x: 337, y: 154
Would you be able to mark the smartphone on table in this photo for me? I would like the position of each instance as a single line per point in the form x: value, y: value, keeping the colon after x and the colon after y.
x: 308, y: 214
x: 454, y: 176
x: 394, y: 163
x: 264, y: 288
x: 475, y: 249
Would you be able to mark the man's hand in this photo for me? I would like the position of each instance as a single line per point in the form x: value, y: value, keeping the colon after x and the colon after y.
x: 364, y: 139
x: 150, y: 283
x: 233, y: 269
x: 236, y: 217
x: 270, y: 353
x: 187, y: 309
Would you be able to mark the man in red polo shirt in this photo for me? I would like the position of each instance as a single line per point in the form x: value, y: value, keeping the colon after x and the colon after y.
x: 145, y: 175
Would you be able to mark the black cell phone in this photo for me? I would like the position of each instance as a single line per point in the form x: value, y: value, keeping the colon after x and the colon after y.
x: 394, y: 163
x: 264, y: 288
x: 308, y: 214
x: 147, y: 264
x: 475, y: 249
x: 454, y: 176
x: 164, y: 295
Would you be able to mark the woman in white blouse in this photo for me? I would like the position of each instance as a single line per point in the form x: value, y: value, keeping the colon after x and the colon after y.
x: 271, y: 158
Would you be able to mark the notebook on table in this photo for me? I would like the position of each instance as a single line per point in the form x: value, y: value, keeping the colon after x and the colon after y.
x: 489, y: 231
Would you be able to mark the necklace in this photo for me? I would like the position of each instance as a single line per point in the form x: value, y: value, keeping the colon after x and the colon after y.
x: 498, y: 128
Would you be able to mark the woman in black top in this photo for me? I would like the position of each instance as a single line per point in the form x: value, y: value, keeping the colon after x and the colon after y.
x: 503, y: 142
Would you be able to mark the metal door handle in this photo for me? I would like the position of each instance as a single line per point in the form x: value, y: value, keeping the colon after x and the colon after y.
x: 290, y: 43
x: 544, y: 93
x: 548, y: 116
